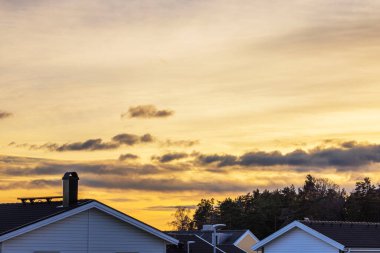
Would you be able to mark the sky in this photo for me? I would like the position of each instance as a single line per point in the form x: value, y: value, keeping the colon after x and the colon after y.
x: 160, y: 103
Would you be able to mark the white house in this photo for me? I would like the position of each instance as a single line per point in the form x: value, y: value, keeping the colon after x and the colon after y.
x: 74, y: 226
x: 323, y: 237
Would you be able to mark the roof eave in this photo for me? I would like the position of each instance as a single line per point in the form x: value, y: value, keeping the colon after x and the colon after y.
x: 303, y: 227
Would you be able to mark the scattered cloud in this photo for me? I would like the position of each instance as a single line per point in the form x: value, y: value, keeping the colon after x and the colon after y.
x: 123, y: 200
x: 128, y: 156
x: 349, y: 156
x: 4, y: 114
x: 169, y: 208
x: 221, y: 160
x: 132, y: 139
x: 343, y: 154
x: 143, y: 184
x: 33, y: 184
x: 146, y: 111
x: 110, y: 175
x: 95, y: 169
x: 167, y: 185
x: 91, y: 144
x: 147, y: 138
x: 179, y: 143
x: 170, y: 157
x: 349, y: 144
x: 123, y: 139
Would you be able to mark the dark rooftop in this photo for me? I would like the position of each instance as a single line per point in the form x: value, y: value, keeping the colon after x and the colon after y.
x: 350, y: 234
x: 233, y: 235
x: 17, y: 215
x: 200, y: 246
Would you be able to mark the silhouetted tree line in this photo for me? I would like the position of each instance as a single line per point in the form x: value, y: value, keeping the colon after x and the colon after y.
x: 263, y: 212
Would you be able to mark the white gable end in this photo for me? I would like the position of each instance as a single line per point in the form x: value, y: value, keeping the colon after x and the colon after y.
x: 89, y: 231
x: 298, y: 241
x: 110, y: 235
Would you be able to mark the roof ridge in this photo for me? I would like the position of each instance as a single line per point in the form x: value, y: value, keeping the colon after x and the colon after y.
x: 339, y: 222
x: 80, y: 201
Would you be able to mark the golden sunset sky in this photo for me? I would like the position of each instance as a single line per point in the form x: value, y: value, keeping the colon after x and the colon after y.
x: 159, y: 103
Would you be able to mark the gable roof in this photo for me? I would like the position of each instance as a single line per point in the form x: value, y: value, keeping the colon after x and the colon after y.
x: 17, y: 218
x: 17, y: 215
x: 247, y: 232
x: 203, y: 241
x: 350, y: 234
x: 235, y: 235
x: 307, y: 229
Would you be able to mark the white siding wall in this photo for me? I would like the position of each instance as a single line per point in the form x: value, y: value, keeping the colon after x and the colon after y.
x: 69, y: 234
x: 88, y: 232
x: 298, y: 241
x: 110, y: 235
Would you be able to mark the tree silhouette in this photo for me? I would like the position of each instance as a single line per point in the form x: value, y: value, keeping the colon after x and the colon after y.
x: 182, y: 220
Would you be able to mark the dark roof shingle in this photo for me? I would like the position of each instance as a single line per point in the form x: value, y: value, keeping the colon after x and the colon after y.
x: 14, y: 216
x: 349, y: 234
x: 201, y: 238
x: 199, y: 246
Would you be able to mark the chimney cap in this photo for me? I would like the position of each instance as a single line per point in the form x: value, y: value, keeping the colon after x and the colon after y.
x: 72, y: 174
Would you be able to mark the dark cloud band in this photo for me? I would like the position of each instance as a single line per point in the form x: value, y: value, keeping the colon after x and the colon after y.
x: 166, y: 185
x: 163, y: 177
x: 348, y: 154
x: 93, y: 144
